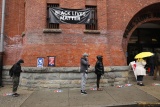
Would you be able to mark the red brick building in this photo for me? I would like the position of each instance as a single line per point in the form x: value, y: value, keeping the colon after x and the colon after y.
x: 26, y: 23
x: 119, y: 24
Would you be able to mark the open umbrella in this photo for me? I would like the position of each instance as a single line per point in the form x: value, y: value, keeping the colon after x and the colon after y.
x: 143, y: 55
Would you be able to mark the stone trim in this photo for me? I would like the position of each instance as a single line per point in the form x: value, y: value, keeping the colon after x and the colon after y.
x: 67, y: 69
x: 52, y: 1
x: 92, y: 31
x: 52, y: 31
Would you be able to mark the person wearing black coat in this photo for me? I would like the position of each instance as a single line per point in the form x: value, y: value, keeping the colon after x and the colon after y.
x: 157, y: 64
x: 16, y: 68
x: 151, y: 65
x: 99, y: 70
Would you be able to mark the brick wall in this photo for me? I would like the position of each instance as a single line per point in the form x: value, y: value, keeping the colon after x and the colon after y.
x: 14, y: 26
x: 72, y: 42
x: 67, y: 46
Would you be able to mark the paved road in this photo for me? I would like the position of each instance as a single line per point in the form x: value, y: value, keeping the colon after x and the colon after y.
x: 71, y: 97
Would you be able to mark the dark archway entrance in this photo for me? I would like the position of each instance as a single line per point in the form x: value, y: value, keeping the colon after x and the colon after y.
x: 143, y: 31
x: 145, y: 38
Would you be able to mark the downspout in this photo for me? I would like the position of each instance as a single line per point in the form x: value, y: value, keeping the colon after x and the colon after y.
x: 2, y: 41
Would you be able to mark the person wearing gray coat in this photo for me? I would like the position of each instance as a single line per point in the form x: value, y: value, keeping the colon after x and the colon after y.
x: 84, y: 65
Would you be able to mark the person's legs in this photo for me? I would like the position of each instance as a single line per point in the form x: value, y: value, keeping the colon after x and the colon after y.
x: 83, y: 82
x: 151, y: 70
x: 98, y: 80
x: 138, y: 79
x: 158, y: 70
x: 15, y: 85
x: 141, y: 80
x: 155, y: 73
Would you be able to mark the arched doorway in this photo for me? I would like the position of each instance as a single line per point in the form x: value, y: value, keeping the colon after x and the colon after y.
x: 143, y: 31
x: 146, y: 37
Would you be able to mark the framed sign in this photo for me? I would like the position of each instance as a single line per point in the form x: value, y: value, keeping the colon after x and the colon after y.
x: 51, y: 61
x: 40, y: 62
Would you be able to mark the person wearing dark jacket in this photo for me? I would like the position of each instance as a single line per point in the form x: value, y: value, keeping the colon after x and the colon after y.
x: 84, y: 65
x: 99, y: 70
x: 151, y: 65
x: 157, y: 64
x: 16, y: 68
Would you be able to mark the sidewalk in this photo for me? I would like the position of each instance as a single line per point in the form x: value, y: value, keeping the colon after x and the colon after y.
x: 110, y: 96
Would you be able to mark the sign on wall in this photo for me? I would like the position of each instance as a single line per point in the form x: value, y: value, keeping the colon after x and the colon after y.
x: 70, y: 16
x: 51, y: 61
x: 40, y: 62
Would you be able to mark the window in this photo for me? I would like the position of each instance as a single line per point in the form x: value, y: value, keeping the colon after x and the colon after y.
x: 93, y: 25
x: 51, y: 25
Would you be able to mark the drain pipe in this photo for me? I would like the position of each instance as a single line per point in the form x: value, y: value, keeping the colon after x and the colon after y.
x: 2, y: 42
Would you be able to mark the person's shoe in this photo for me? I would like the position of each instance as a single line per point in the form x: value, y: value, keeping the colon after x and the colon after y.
x: 99, y: 89
x: 15, y: 95
x: 83, y: 92
x: 141, y: 84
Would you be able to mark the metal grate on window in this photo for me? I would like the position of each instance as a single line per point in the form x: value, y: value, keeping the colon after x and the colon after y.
x: 93, y: 25
x: 51, y: 25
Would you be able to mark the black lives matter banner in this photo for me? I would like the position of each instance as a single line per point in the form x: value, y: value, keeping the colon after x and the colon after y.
x: 70, y: 16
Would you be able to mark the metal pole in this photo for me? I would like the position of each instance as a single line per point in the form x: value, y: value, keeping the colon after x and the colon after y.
x: 2, y: 42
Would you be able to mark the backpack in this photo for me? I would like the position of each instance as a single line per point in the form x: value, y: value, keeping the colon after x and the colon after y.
x: 11, y: 72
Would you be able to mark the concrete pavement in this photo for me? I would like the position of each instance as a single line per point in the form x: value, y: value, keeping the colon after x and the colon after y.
x: 71, y: 97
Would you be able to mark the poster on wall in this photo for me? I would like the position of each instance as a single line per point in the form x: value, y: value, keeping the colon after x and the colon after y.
x: 70, y: 16
x: 51, y: 61
x: 40, y: 62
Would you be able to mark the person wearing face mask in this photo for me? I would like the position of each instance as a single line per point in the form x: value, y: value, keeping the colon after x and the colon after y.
x: 99, y: 70
x: 84, y: 65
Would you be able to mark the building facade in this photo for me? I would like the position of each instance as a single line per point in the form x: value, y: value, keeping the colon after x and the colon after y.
x: 116, y: 32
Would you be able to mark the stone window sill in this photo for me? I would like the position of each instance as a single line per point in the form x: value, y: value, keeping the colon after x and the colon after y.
x: 52, y: 31
x: 92, y: 31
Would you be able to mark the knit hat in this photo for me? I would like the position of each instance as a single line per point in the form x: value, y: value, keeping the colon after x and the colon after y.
x: 85, y: 54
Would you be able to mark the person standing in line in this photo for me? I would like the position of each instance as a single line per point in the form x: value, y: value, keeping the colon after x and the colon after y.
x: 157, y: 64
x: 16, y: 69
x: 151, y: 65
x: 140, y: 71
x: 99, y: 70
x: 84, y: 65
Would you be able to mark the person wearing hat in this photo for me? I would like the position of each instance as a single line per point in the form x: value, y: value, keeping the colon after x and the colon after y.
x: 16, y: 69
x: 99, y: 70
x: 84, y: 65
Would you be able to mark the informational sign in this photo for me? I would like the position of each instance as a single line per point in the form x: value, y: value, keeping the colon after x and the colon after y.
x: 40, y: 62
x: 70, y: 16
x: 51, y: 60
